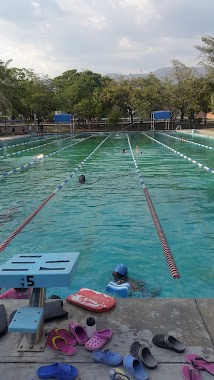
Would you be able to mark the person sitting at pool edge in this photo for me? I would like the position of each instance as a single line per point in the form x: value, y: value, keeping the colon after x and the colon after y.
x: 82, y: 179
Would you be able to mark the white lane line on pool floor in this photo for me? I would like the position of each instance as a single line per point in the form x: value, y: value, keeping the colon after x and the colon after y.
x: 182, y: 155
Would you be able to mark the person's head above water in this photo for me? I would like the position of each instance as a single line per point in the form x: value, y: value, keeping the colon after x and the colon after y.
x: 82, y: 179
x: 120, y: 271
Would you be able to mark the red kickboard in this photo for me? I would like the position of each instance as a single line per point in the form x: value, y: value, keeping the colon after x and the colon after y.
x: 92, y: 300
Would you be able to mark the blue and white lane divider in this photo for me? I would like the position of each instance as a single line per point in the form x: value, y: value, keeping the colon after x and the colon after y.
x: 32, y: 148
x: 188, y: 141
x: 182, y: 155
x: 35, y: 212
x: 78, y: 167
x: 24, y: 166
x: 193, y: 134
x: 167, y: 252
x: 28, y: 142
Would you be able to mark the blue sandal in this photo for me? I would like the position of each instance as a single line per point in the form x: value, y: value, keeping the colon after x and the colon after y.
x: 107, y: 357
x: 135, y: 367
x: 58, y: 371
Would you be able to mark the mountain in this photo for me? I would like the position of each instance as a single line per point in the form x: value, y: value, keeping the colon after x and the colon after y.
x: 159, y: 73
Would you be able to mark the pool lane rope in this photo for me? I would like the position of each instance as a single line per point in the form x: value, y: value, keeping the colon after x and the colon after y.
x: 24, y: 166
x: 201, y: 166
x: 193, y: 134
x: 34, y: 147
x: 35, y: 212
x: 167, y: 252
x: 188, y: 141
x: 27, y: 142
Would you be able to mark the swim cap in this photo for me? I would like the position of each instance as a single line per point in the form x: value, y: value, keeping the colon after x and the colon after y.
x: 121, y: 269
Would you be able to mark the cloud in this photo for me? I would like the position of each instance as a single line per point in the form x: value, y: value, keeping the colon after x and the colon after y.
x: 126, y: 36
x: 124, y: 43
x: 143, y: 11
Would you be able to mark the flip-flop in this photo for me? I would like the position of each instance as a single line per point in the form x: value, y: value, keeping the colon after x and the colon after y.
x: 107, y: 357
x: 118, y: 374
x: 174, y: 343
x: 200, y: 363
x: 3, y: 320
x: 59, y: 344
x: 79, y: 332
x: 70, y: 339
x: 58, y: 371
x: 99, y: 340
x: 189, y: 373
x: 135, y: 367
x: 143, y: 354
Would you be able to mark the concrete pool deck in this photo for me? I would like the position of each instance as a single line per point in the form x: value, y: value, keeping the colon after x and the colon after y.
x: 189, y: 320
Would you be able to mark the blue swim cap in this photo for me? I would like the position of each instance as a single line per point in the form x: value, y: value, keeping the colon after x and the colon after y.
x: 121, y: 269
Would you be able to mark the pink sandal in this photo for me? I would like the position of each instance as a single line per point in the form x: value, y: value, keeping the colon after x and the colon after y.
x: 79, y: 332
x: 200, y: 363
x: 189, y: 373
x: 59, y: 344
x: 70, y: 339
x: 99, y: 340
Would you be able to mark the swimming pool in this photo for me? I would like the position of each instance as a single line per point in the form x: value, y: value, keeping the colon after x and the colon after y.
x: 107, y: 219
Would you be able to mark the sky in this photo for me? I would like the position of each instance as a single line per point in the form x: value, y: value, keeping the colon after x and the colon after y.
x: 104, y: 36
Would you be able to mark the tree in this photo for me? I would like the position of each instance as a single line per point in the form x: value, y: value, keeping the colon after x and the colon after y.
x: 5, y: 88
x: 73, y: 91
x: 181, y: 86
x: 147, y: 95
x: 34, y: 95
x: 114, y: 116
x: 117, y: 96
x: 207, y: 50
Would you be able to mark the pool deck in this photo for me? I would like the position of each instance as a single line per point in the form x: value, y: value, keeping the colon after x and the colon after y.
x: 189, y: 320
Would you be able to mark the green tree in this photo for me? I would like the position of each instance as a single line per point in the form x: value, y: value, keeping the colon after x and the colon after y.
x: 73, y: 91
x: 6, y: 85
x: 117, y: 95
x: 34, y: 95
x: 207, y: 50
x: 114, y: 116
x: 147, y: 95
x: 181, y: 87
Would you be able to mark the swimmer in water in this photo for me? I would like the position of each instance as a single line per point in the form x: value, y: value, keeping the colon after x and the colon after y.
x: 82, y: 179
x: 137, y: 150
x: 9, y: 214
x: 120, y: 276
x: 40, y: 155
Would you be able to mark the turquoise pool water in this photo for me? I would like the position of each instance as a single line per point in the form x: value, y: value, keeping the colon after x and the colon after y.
x: 107, y: 219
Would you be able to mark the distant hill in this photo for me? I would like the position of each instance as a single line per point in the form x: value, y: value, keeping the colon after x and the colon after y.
x: 159, y: 73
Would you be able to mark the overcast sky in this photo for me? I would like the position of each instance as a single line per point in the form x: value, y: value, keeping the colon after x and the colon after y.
x: 105, y: 36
